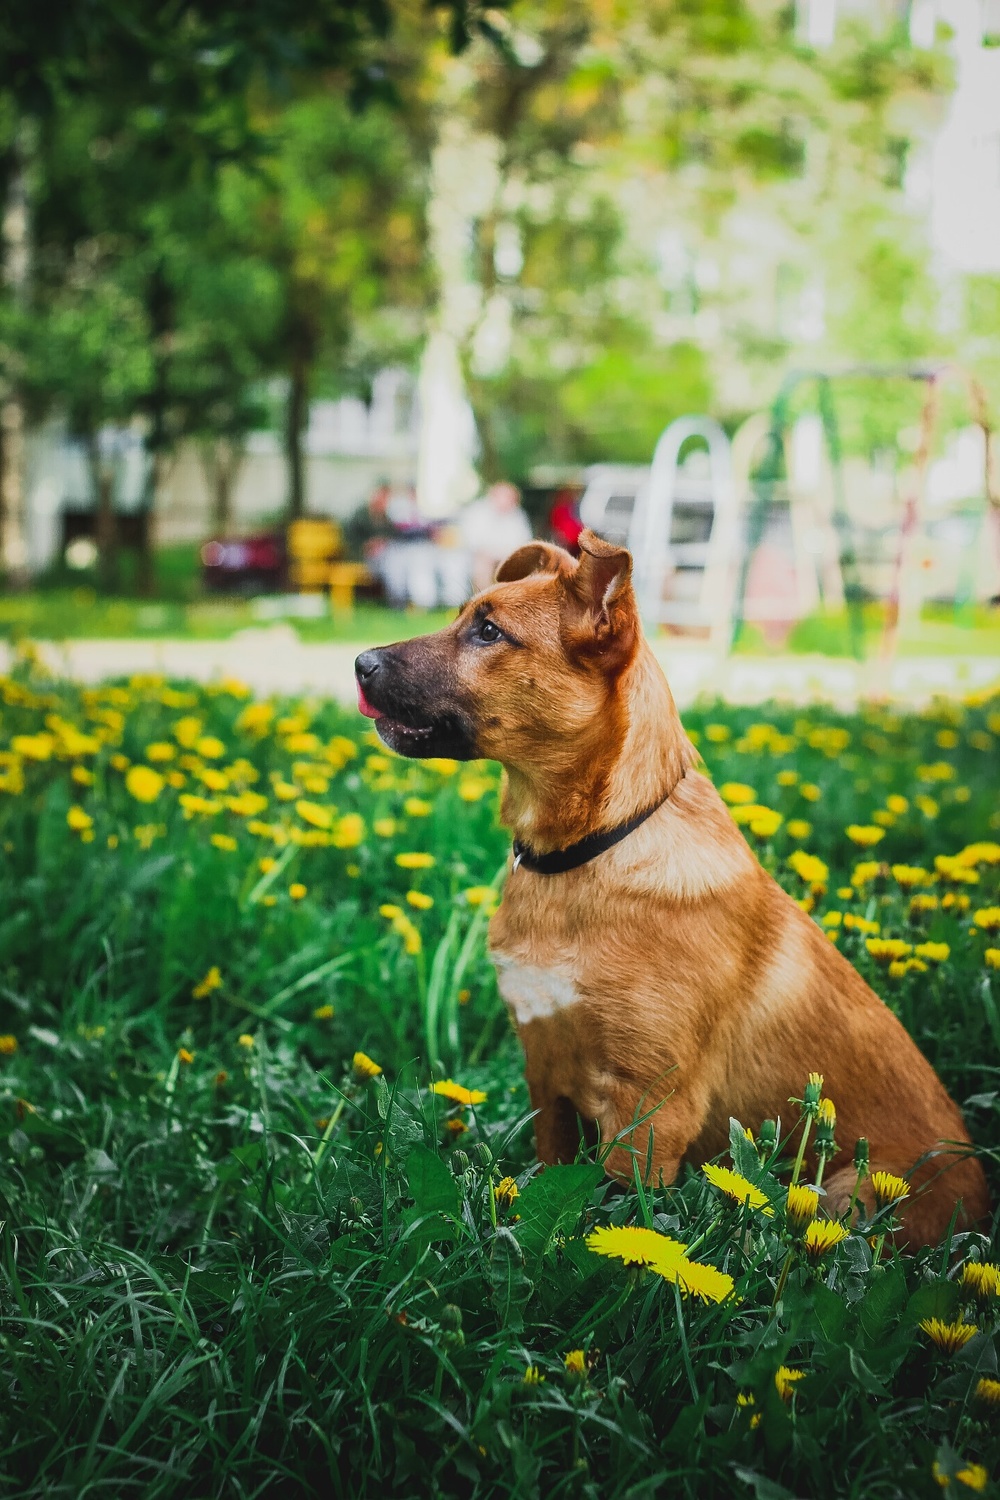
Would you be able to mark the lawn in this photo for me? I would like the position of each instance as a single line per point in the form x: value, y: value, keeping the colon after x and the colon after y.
x: 271, y: 1222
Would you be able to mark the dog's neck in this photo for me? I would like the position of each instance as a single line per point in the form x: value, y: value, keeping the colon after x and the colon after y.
x: 628, y: 760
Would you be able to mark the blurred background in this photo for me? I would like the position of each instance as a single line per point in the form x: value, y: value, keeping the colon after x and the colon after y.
x: 311, y: 312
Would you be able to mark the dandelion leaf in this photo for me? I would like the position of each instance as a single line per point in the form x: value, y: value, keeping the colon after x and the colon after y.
x: 938, y: 1301
x: 883, y: 1302
x: 511, y: 1289
x: 744, y: 1153
x: 553, y: 1201
x: 433, y: 1187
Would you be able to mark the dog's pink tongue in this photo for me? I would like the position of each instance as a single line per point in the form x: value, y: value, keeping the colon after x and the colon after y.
x: 365, y: 707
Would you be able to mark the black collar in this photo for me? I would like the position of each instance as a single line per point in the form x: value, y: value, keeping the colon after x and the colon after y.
x: 584, y: 850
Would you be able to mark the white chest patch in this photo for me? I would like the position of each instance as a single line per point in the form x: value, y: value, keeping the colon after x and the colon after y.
x: 532, y: 992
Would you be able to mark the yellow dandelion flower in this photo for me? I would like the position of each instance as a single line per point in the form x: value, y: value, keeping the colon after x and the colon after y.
x: 391, y: 912
x: 985, y: 853
x: 245, y: 1040
x: 987, y: 918
x: 787, y: 778
x: 78, y: 819
x: 210, y: 747
x: 935, y: 953
x: 887, y: 1188
x: 184, y: 1056
x: 420, y: 900
x: 481, y: 895
x: 187, y: 730
x: 8, y: 1045
x: 972, y: 1476
x: 323, y: 1013
x: 987, y: 1391
x: 212, y: 981
x: 922, y: 902
x: 866, y: 870
x: 224, y: 841
x: 785, y: 1380
x: 810, y: 791
x: 698, y: 1279
x: 737, y: 792
x: 865, y: 835
x: 349, y: 832
x: 384, y: 828
x: 897, y: 804
x: 982, y: 1280
x: 826, y: 1113
x: 822, y: 1236
x: 314, y: 813
x: 801, y: 1207
x: 143, y: 783
x: 737, y: 1187
x: 417, y: 807
x: 362, y: 1066
x: 948, y: 1338
x: 992, y: 958
x: 798, y: 828
x: 909, y: 876
x: 575, y: 1364
x: 766, y: 823
x: 634, y: 1245
x: 415, y: 861
x: 953, y: 871
x: 808, y: 867
x: 297, y: 890
x: 886, y: 950
x: 506, y: 1191
x: 532, y: 1376
x: 446, y: 1088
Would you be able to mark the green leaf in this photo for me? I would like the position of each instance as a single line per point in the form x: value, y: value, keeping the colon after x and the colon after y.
x: 511, y: 1288
x: 552, y: 1201
x: 744, y: 1152
x: 433, y: 1187
x: 884, y: 1300
x: 938, y: 1301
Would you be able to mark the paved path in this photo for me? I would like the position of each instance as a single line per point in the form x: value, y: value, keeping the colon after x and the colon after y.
x: 275, y: 660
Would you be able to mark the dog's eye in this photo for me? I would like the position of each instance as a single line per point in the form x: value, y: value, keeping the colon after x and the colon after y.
x: 487, y: 632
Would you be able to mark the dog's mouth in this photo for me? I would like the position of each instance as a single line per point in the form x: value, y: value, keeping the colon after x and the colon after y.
x: 445, y: 736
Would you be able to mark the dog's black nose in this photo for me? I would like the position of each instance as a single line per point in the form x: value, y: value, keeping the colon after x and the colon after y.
x: 366, y: 665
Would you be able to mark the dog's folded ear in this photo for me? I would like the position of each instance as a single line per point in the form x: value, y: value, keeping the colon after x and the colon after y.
x: 602, y: 588
x: 603, y: 572
x: 534, y: 557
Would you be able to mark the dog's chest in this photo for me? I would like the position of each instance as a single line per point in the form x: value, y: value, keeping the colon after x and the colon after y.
x: 533, y: 992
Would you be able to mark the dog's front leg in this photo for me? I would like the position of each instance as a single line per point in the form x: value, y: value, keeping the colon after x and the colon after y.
x: 558, y: 1132
x: 649, y: 1136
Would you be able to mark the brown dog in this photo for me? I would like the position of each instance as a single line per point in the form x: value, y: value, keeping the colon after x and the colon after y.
x: 667, y: 980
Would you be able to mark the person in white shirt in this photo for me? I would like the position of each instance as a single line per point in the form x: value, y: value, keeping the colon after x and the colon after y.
x: 492, y: 528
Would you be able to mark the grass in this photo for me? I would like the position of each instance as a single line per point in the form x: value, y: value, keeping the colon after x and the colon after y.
x: 237, y: 1260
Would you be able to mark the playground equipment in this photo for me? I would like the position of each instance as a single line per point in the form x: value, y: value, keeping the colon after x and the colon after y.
x: 769, y: 488
x: 679, y: 524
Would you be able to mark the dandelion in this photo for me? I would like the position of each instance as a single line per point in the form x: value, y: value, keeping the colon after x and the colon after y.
x: 634, y: 1245
x: 954, y: 871
x: 363, y: 1067
x: 224, y: 841
x: 887, y: 950
x: 349, y: 832
x: 506, y: 1191
x: 909, y: 876
x: 297, y: 890
x: 575, y: 1365
x: 420, y: 900
x: 210, y: 747
x: 785, y: 1380
x: 245, y: 1040
x: 446, y: 1088
x: 78, y: 820
x: 987, y: 1391
x: 532, y: 1376
x: 698, y: 1279
x: 865, y: 871
x: 143, y: 783
x: 82, y: 776
x: 314, y: 813
x: 417, y: 807
x: 8, y: 1045
x: 987, y: 918
x: 384, y: 828
x: 810, y: 791
x: 981, y: 1280
x: 798, y: 828
x: 948, y: 1338
x: 992, y: 958
x: 897, y: 804
x: 415, y: 861
x: 986, y: 853
x: 204, y: 987
x: 809, y: 867
x: 888, y: 1189
x: 737, y: 1187
x: 865, y: 835
x: 936, y: 953
x: 822, y: 1236
x: 973, y: 1476
x: 801, y: 1207
x: 736, y: 793
x: 184, y: 1056
x: 922, y: 902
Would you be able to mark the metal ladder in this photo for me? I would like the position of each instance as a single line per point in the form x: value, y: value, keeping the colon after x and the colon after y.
x: 682, y: 534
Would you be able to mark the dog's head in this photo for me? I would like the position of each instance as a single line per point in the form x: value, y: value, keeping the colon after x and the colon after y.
x: 528, y: 666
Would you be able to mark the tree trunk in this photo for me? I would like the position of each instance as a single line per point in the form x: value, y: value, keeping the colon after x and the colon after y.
x: 106, y: 530
x: 160, y: 307
x: 298, y: 408
x: 17, y: 256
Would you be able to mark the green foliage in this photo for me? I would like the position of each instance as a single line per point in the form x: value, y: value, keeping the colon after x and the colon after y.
x: 230, y: 1259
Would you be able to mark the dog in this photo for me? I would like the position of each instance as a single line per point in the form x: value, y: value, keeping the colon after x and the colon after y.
x: 660, y: 980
